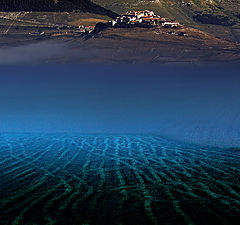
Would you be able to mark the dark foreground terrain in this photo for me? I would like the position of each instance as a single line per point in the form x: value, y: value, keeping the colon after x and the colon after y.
x: 124, y: 179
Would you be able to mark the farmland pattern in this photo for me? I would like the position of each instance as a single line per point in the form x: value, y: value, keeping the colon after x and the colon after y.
x: 48, y: 179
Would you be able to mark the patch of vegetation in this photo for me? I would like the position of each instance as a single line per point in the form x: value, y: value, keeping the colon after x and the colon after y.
x: 211, y: 18
x: 55, y: 6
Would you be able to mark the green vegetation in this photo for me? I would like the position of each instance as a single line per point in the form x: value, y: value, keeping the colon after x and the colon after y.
x: 217, y: 19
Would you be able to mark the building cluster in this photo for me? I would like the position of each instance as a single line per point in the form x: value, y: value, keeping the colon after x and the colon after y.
x: 144, y: 18
x: 86, y: 29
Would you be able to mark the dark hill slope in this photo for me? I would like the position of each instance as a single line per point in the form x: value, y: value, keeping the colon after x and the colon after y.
x: 55, y: 6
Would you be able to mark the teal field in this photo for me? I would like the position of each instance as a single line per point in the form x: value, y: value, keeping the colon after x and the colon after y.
x: 48, y: 179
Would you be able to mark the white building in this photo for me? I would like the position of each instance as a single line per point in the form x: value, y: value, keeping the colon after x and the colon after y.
x: 170, y: 23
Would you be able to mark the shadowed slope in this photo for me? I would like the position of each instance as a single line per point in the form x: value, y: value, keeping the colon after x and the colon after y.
x: 51, y: 5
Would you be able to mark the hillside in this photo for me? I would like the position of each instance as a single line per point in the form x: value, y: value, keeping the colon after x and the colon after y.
x: 220, y: 18
x: 229, y: 8
x: 33, y: 22
x: 54, y: 6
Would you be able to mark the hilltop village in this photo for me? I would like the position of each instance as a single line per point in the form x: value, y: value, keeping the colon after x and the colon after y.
x: 144, y: 18
x: 135, y: 36
x: 131, y: 19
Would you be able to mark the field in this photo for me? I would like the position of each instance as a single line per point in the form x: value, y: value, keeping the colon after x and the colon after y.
x: 53, y: 18
x: 116, y: 179
x: 144, y: 45
x: 120, y: 45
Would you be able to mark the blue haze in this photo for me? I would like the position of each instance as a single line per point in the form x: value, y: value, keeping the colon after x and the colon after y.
x: 197, y: 104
